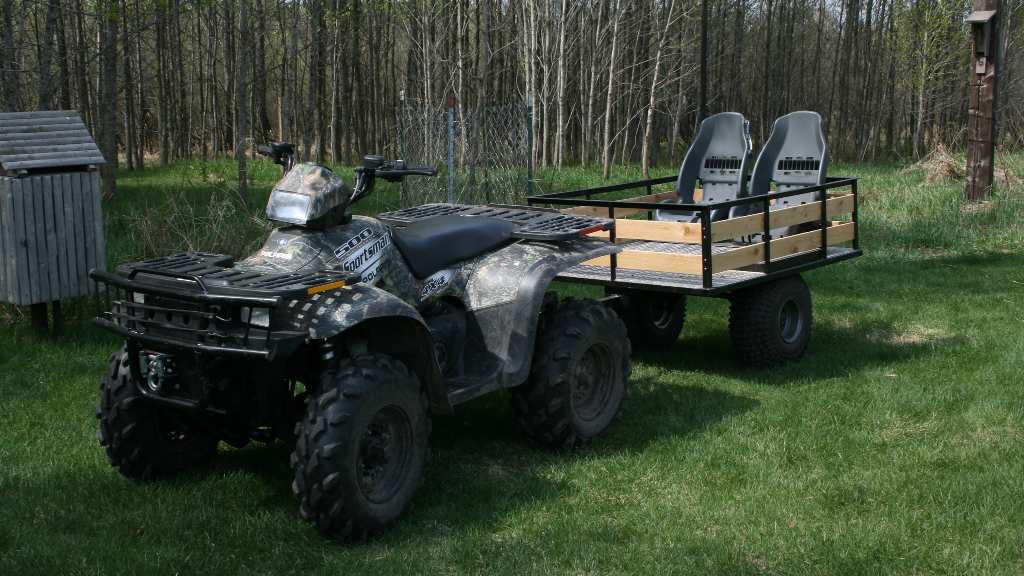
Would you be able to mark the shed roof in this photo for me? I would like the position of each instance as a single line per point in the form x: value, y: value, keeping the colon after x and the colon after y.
x: 48, y: 139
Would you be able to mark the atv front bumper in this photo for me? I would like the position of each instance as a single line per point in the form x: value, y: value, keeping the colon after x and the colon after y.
x: 161, y: 317
x: 203, y: 303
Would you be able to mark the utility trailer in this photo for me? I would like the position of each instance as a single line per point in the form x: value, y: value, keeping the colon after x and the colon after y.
x: 754, y: 258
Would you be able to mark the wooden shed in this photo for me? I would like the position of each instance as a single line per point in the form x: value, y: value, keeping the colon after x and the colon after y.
x: 51, y: 224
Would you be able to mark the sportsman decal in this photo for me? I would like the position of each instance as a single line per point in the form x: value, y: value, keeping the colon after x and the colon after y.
x: 352, y: 243
x: 435, y: 283
x: 366, y: 260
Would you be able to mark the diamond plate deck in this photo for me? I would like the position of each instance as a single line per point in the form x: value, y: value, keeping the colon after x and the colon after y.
x: 668, y: 280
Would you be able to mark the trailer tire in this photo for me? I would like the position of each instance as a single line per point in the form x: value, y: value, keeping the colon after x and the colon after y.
x: 362, y: 447
x: 579, y: 377
x: 770, y: 324
x: 143, y: 440
x: 655, y: 319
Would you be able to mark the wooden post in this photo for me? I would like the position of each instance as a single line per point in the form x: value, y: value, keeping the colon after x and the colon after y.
x: 981, y: 111
x: 40, y: 319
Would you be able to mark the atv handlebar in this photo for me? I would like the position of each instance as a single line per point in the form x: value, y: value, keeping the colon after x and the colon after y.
x: 282, y: 153
x: 397, y: 169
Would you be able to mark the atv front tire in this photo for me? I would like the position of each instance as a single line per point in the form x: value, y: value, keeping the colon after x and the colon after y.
x: 770, y: 324
x: 361, y: 447
x: 579, y: 376
x: 144, y: 440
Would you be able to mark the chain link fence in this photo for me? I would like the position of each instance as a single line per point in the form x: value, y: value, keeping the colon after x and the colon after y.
x: 482, y: 155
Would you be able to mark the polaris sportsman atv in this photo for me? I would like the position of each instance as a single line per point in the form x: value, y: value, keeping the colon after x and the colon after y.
x: 344, y: 334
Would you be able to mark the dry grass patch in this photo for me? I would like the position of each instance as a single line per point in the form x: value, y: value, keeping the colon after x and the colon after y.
x: 940, y: 165
x: 902, y: 428
x: 916, y: 335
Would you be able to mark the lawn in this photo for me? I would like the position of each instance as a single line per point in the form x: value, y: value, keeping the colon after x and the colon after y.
x: 895, y: 447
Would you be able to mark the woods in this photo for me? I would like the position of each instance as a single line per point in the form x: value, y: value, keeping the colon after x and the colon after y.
x: 610, y: 81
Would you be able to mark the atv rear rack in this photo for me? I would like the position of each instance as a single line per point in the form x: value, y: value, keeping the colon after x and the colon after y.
x: 200, y: 302
x: 533, y: 223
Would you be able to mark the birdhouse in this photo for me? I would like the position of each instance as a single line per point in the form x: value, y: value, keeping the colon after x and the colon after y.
x: 51, y: 225
x: 981, y: 22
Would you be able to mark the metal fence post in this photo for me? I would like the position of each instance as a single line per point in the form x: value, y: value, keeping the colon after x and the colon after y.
x: 451, y: 152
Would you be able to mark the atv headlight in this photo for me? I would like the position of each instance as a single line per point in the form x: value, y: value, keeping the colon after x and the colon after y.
x: 288, y: 207
x: 138, y: 297
x: 256, y: 316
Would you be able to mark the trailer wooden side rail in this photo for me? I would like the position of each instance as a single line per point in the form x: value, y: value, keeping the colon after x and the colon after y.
x: 709, y: 257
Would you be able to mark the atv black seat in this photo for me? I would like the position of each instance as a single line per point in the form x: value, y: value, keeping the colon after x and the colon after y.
x: 434, y: 243
x: 531, y: 223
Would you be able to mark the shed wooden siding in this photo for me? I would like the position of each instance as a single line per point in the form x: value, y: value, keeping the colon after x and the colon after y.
x: 47, y: 139
x: 51, y: 235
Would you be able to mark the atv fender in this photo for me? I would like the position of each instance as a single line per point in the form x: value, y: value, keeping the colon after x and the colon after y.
x: 506, y: 292
x: 386, y: 323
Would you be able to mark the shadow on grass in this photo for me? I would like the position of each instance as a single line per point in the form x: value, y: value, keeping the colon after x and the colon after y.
x: 836, y: 350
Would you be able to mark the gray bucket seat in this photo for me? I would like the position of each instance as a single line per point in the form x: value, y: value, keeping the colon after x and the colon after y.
x: 795, y: 156
x: 719, y: 158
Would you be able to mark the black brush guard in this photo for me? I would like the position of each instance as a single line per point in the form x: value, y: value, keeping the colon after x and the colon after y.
x: 199, y: 302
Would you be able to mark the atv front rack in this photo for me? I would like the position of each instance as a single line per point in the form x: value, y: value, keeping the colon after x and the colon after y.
x: 200, y: 302
x: 532, y: 223
x: 215, y: 275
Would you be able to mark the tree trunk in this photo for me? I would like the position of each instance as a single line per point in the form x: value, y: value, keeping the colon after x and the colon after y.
x: 45, y: 56
x: 9, y: 78
x: 560, y: 96
x: 314, y: 142
x: 241, y: 93
x: 108, y: 95
x: 607, y: 158
x: 702, y: 110
x: 654, y: 92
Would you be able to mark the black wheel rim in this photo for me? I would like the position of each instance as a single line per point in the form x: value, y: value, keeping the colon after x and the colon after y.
x: 791, y: 322
x: 592, y: 383
x: 660, y: 312
x: 385, y: 454
x: 176, y: 433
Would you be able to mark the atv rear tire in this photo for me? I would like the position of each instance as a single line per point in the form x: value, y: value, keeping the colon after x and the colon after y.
x: 655, y: 318
x: 579, y: 376
x: 771, y: 324
x: 144, y: 440
x: 361, y: 448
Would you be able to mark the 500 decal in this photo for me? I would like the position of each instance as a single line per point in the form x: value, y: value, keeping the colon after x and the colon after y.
x: 435, y: 283
x: 367, y: 260
x: 352, y: 243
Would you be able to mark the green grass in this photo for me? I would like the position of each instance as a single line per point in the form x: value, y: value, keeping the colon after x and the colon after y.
x: 896, y: 446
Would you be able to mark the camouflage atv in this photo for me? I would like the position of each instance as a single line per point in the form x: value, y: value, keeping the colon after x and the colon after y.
x: 344, y: 334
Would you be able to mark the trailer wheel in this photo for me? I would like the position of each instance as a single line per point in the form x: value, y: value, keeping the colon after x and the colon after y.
x: 362, y: 446
x: 579, y: 376
x: 771, y: 324
x: 144, y: 440
x: 655, y: 318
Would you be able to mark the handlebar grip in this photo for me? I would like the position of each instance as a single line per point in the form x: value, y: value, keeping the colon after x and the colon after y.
x: 421, y: 171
